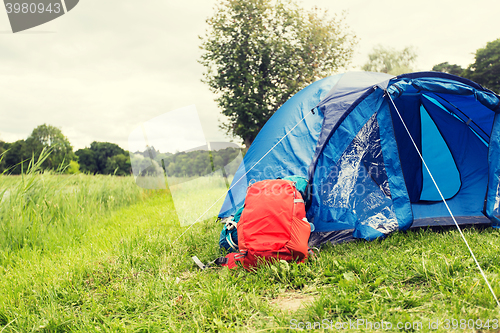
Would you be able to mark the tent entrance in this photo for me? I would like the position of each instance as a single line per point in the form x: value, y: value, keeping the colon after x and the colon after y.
x: 455, y: 154
x: 432, y: 144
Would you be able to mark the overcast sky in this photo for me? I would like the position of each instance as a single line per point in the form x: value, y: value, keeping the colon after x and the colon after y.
x: 107, y: 66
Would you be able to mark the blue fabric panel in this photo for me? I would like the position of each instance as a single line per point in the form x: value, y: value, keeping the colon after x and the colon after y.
x: 399, y: 193
x: 478, y: 113
x: 342, y: 99
x: 292, y: 156
x: 348, y: 129
x: 373, y: 162
x: 350, y: 182
x: 440, y: 162
x: 342, y: 186
x: 330, y: 124
x: 373, y: 202
x: 442, y: 75
x: 448, y: 221
x: 408, y: 106
x: 368, y: 233
x: 493, y: 197
x: 444, y: 84
x: 470, y: 156
x: 352, y: 83
x: 349, y: 197
x: 451, y: 109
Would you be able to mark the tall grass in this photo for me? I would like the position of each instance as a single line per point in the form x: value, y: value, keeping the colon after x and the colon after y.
x: 73, y: 258
x: 47, y: 210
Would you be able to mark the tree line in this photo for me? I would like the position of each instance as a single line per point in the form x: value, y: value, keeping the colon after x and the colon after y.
x: 100, y: 158
x: 16, y: 156
x: 186, y: 164
x: 485, y: 69
x: 108, y: 158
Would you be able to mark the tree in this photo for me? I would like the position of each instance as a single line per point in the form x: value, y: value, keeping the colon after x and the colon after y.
x: 73, y: 168
x: 14, y: 156
x: 50, y: 137
x: 258, y: 53
x: 486, y: 68
x: 104, y: 158
x: 391, y: 61
x: 86, y: 159
x: 3, y: 148
x: 118, y: 165
x: 102, y: 151
x: 445, y: 67
x: 146, y: 166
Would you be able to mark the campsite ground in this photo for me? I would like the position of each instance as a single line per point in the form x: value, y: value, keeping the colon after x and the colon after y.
x: 94, y: 254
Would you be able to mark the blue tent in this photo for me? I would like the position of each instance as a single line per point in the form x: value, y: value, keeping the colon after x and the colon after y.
x: 354, y: 137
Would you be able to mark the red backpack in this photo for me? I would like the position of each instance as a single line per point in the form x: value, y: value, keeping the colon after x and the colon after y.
x: 273, y: 224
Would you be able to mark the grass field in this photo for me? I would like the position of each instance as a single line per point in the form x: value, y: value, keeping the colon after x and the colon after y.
x: 98, y: 254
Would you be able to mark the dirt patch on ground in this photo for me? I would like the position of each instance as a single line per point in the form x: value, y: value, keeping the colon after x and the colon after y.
x: 292, y: 301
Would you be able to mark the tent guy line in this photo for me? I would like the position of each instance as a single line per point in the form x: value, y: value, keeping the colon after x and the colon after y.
x: 444, y: 200
x: 229, y: 189
x: 367, y: 181
x: 357, y: 130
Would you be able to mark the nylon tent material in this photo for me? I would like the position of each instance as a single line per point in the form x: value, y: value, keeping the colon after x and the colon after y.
x: 366, y: 177
x: 293, y: 156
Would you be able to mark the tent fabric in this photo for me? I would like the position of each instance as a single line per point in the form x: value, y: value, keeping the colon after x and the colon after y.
x: 293, y: 155
x: 492, y: 208
x: 392, y: 160
x: 439, y: 160
x: 341, y: 100
x: 367, y: 179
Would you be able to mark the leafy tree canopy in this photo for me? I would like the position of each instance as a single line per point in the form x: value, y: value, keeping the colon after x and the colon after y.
x: 73, y: 167
x: 486, y: 68
x: 446, y: 67
x: 118, y: 165
x: 104, y: 158
x: 391, y: 61
x: 14, y: 156
x: 86, y: 159
x: 3, y: 149
x: 102, y: 151
x: 258, y: 53
x: 50, y: 137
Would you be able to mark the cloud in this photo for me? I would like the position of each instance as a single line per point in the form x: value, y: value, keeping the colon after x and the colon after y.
x: 107, y: 67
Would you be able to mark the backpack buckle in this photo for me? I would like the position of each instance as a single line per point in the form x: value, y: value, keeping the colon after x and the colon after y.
x: 242, y: 254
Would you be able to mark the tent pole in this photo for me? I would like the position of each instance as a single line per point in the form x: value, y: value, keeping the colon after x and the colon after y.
x: 444, y: 200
